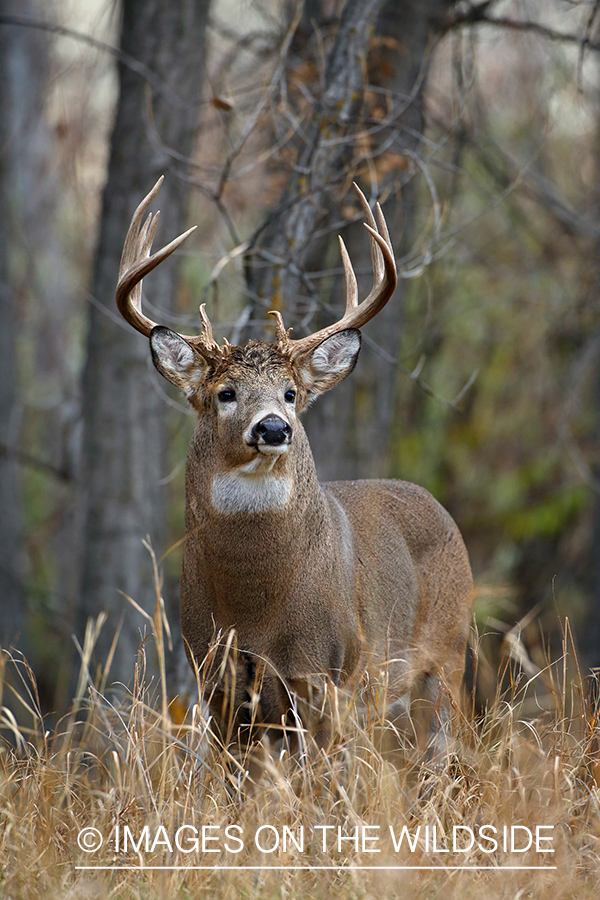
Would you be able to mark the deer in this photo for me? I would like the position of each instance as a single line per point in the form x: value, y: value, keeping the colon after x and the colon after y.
x: 303, y: 587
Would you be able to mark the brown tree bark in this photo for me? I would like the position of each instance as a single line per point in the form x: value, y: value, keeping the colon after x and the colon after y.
x: 124, y: 415
x: 378, y: 59
x: 350, y: 430
x: 325, y: 145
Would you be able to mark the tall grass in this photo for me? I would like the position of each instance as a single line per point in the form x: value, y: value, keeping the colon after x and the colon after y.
x: 530, y: 760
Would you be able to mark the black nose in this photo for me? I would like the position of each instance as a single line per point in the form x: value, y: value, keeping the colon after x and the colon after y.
x: 272, y: 430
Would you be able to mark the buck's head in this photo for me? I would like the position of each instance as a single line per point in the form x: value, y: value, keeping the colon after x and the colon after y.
x: 249, y: 397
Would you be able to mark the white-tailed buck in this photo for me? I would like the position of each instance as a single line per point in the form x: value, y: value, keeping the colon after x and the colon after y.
x: 319, y: 582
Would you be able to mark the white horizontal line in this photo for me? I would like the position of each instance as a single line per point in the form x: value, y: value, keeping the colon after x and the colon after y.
x: 320, y: 868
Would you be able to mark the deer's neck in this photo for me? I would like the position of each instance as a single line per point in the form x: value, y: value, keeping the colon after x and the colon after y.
x: 255, y: 528
x: 258, y: 487
x: 277, y: 483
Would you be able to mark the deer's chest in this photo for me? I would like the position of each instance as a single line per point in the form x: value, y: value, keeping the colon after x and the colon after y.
x: 234, y: 494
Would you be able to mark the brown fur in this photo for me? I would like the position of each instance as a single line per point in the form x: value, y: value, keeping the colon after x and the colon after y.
x: 347, y: 577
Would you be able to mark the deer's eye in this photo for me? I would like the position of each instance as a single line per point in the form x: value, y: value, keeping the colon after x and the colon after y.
x: 289, y: 396
x: 227, y: 396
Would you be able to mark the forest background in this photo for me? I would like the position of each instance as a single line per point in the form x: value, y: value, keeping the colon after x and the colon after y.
x: 476, y: 125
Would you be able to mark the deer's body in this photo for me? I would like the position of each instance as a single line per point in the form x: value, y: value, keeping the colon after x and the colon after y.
x: 308, y: 584
x: 319, y: 583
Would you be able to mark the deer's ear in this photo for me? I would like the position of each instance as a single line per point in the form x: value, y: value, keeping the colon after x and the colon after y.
x: 176, y: 360
x: 329, y: 362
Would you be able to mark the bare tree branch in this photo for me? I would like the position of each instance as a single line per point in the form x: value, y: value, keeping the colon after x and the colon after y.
x: 130, y: 62
x: 27, y: 459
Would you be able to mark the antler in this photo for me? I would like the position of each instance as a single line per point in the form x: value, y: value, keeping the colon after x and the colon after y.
x: 385, y: 279
x: 136, y: 263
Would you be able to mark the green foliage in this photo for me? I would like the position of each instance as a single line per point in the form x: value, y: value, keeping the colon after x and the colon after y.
x: 501, y: 309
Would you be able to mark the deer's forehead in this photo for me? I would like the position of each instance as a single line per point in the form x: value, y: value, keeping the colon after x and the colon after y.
x: 252, y: 362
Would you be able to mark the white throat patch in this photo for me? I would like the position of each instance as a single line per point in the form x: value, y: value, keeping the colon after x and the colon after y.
x: 238, y: 492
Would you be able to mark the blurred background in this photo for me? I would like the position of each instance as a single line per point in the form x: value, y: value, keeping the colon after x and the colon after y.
x: 476, y: 125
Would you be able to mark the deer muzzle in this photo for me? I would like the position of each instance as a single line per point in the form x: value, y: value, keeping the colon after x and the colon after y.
x: 271, y: 431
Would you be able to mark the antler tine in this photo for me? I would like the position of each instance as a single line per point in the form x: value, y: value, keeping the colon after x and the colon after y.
x: 350, y: 279
x: 376, y: 258
x: 385, y: 279
x: 207, y: 332
x: 382, y: 225
x: 131, y: 240
x: 141, y: 251
x: 282, y: 335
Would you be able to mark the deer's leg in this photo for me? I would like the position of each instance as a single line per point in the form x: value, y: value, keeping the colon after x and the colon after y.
x: 423, y: 700
x: 435, y: 701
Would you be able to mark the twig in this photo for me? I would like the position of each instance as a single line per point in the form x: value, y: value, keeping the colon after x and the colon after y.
x: 27, y: 459
x: 159, y: 85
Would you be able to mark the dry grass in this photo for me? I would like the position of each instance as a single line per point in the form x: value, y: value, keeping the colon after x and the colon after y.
x: 528, y: 761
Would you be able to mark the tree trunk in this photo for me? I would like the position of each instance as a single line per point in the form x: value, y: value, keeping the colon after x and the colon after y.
x: 10, y: 519
x: 23, y: 161
x: 289, y: 237
x: 350, y: 428
x: 124, y: 414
